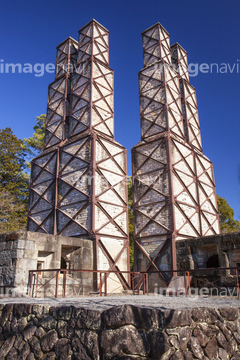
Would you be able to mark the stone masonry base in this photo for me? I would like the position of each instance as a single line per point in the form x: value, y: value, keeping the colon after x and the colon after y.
x: 29, y: 332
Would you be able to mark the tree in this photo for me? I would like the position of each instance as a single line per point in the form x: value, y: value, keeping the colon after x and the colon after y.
x: 130, y: 220
x: 12, y: 212
x: 226, y: 214
x: 35, y: 144
x: 14, y: 182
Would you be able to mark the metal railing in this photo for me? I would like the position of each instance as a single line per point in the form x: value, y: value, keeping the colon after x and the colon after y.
x: 138, y: 280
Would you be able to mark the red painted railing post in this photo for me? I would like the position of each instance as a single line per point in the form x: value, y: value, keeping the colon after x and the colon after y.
x: 100, y: 284
x: 36, y: 289
x: 31, y: 284
x: 64, y: 282
x: 57, y: 282
x: 147, y: 282
x: 105, y: 283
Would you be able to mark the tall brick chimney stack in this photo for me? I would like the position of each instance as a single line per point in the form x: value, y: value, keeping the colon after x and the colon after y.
x: 174, y: 187
x: 78, y: 184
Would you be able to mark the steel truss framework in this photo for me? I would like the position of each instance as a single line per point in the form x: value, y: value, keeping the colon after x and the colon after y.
x: 174, y: 187
x: 79, y: 183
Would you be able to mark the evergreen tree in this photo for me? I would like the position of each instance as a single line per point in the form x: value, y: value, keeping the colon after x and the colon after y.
x: 226, y: 214
x: 14, y: 182
x: 35, y: 143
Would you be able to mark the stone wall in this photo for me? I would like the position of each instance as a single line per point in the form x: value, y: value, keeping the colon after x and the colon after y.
x: 126, y: 332
x: 21, y: 251
x: 194, y: 253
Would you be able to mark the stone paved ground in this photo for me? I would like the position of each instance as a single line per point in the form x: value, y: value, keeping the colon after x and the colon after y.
x: 143, y: 301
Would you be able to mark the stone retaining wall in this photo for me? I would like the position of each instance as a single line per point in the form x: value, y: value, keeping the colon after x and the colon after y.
x: 125, y: 332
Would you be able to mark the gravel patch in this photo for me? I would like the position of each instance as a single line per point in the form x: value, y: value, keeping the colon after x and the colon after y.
x: 142, y: 301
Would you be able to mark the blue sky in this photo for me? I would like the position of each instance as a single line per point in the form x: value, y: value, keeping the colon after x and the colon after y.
x: 208, y: 30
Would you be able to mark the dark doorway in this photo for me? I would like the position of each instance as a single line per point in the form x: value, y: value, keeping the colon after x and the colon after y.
x: 213, y: 261
x: 63, y: 263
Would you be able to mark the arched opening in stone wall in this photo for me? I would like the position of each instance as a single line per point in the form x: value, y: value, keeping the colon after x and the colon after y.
x: 213, y: 261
